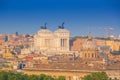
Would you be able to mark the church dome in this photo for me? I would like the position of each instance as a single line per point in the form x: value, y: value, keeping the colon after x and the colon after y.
x: 90, y: 44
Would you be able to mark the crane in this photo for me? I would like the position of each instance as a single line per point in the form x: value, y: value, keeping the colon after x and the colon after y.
x: 107, y: 29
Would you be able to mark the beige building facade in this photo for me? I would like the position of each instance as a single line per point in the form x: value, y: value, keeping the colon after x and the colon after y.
x: 47, y: 41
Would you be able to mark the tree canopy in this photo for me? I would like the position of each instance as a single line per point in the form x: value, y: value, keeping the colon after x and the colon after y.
x: 20, y: 76
x: 96, y: 76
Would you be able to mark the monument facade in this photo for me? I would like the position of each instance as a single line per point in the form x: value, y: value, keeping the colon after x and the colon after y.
x: 50, y: 42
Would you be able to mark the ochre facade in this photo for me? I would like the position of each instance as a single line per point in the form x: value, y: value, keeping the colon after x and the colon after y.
x: 114, y: 45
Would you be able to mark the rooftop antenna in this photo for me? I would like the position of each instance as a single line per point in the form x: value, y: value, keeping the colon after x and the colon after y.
x: 107, y: 29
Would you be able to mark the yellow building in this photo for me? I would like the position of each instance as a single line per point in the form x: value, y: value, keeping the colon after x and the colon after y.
x: 115, y: 45
x: 7, y: 55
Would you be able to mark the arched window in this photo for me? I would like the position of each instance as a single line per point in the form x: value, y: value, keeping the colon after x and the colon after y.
x: 115, y: 78
x: 110, y: 78
x: 69, y: 78
x: 88, y: 55
x: 92, y: 55
x: 85, y: 55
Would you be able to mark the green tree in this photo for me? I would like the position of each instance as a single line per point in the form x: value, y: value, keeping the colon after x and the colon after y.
x: 61, y: 78
x: 27, y: 35
x: 48, y: 78
x: 96, y: 76
x: 21, y: 46
x: 12, y: 52
x: 33, y: 77
x: 3, y: 75
x: 42, y: 77
x: 20, y: 76
x: 45, y: 77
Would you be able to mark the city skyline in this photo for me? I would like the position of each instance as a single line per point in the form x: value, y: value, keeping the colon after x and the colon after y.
x: 80, y: 16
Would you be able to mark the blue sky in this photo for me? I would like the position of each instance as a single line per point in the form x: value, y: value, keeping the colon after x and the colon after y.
x: 80, y: 16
